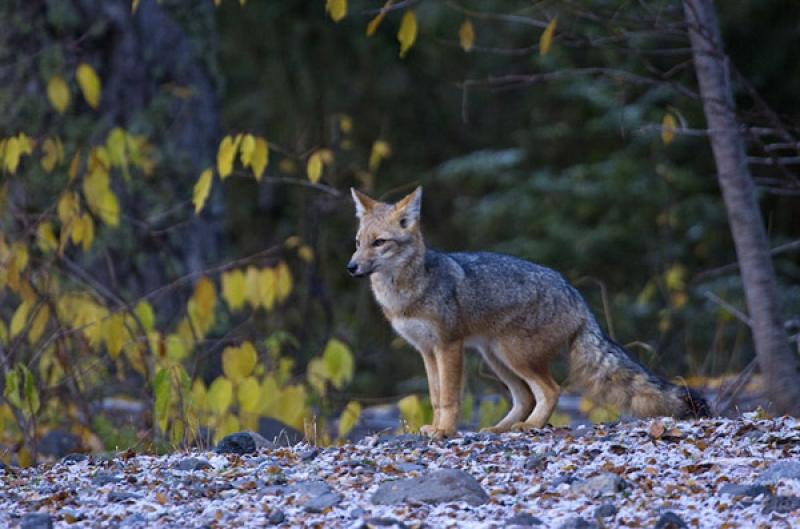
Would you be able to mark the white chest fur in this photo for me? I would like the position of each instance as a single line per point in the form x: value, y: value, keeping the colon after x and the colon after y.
x: 422, y: 334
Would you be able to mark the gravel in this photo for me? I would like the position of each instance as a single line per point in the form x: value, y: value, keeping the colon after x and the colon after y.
x: 651, y: 473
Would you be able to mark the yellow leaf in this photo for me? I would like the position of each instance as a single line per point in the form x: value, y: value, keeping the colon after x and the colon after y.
x: 675, y: 277
x: 260, y: 158
x: 108, y: 209
x: 220, y: 395
x: 67, y: 207
x: 349, y: 418
x: 314, y: 167
x: 134, y: 6
x: 339, y: 363
x: 12, y: 154
x: 205, y: 297
x: 76, y: 230
x: 88, y: 231
x: 337, y: 9
x: 239, y: 362
x: 251, y: 286
x: 233, y: 289
x: 45, y: 237
x: 372, y: 27
x: 466, y: 35
x: 266, y: 288
x: 225, y: 156
x: 52, y: 154
x: 116, y: 147
x: 74, y: 165
x: 89, y: 83
x: 39, y: 323
x: 546, y: 40
x: 144, y: 313
x: 201, y: 190
x: 345, y: 123
x: 249, y: 394
x: 668, y: 127
x: 115, y: 334
x: 246, y: 149
x: 283, y: 281
x: 407, y: 34
x: 176, y: 347
x: 305, y: 253
x: 19, y: 319
x: 380, y: 150
x: 58, y: 93
x: 411, y: 410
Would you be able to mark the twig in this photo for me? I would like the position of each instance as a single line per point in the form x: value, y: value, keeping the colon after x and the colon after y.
x: 736, y: 313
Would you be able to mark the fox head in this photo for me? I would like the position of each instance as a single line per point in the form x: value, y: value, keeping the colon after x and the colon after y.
x: 388, y: 236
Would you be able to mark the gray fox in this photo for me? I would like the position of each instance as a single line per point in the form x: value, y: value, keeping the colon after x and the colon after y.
x: 519, y: 315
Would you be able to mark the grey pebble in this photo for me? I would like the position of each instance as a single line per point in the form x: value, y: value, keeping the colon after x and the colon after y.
x: 36, y: 520
x: 670, y: 520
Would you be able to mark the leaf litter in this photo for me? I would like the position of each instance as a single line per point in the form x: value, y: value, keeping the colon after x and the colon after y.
x: 710, y: 473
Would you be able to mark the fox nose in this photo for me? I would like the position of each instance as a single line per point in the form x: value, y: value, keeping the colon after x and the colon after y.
x: 352, y: 267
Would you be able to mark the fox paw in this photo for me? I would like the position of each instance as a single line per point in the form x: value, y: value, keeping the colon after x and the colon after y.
x: 436, y: 433
x: 524, y: 427
x: 495, y: 429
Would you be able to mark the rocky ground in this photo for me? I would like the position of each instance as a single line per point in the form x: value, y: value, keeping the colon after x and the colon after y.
x: 718, y: 473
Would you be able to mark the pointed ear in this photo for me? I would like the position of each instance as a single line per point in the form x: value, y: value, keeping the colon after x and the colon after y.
x: 409, y: 208
x: 363, y: 203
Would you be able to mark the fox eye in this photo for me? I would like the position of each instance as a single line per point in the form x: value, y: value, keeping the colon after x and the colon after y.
x: 378, y: 242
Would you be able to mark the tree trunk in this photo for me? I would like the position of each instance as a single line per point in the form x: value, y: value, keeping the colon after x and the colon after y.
x: 779, y: 365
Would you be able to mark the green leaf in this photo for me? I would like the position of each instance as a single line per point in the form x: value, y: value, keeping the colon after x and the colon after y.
x: 349, y: 418
x: 163, y: 397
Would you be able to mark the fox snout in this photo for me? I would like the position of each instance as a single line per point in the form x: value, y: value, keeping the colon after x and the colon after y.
x: 356, y: 270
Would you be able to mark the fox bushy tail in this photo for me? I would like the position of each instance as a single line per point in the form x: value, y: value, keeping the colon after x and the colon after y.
x: 607, y: 372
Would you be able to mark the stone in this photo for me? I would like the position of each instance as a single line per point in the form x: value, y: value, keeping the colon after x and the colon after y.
x: 242, y: 443
x: 607, y: 510
x: 781, y: 504
x: 116, y: 496
x: 523, y: 519
x: 536, y: 462
x: 779, y: 470
x: 441, y: 486
x: 278, y: 433
x: 578, y: 523
x: 192, y: 463
x: 409, y: 467
x: 737, y: 489
x: 319, y: 503
x: 71, y: 459
x: 106, y: 478
x: 310, y: 488
x: 391, y: 523
x: 308, y: 455
x: 605, y: 484
x: 276, y: 517
x: 58, y: 443
x: 670, y: 520
x: 36, y: 520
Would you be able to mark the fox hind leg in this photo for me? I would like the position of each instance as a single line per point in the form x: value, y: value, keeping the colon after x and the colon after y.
x: 521, y: 396
x: 546, y: 391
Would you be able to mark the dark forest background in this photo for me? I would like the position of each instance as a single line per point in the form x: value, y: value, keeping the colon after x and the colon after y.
x: 570, y: 171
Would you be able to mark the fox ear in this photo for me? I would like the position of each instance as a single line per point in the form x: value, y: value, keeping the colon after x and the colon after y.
x: 409, y: 208
x: 363, y: 203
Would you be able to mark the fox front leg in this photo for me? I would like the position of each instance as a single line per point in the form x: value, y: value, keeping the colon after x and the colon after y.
x: 450, y: 367
x: 432, y: 372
